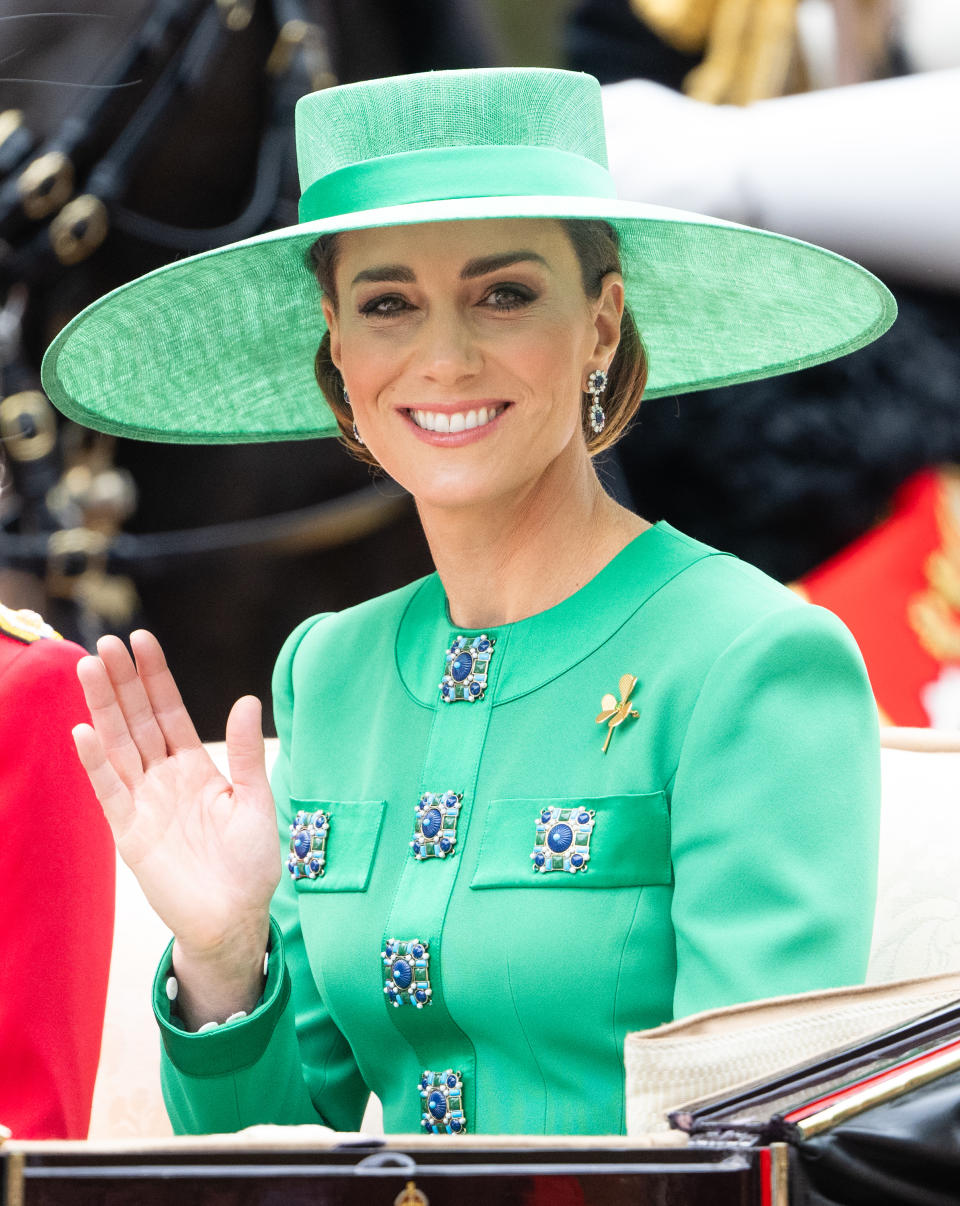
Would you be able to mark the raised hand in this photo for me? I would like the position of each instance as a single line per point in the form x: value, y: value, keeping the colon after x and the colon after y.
x: 205, y: 850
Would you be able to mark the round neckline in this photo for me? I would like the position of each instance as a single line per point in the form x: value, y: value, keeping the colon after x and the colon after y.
x: 532, y: 651
x: 512, y: 625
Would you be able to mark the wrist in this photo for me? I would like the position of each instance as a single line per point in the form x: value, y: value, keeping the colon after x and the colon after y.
x: 215, y: 985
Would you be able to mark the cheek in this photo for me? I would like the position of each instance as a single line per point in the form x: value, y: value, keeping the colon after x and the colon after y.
x: 552, y: 363
x: 370, y: 365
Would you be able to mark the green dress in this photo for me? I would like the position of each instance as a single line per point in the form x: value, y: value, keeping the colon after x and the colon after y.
x: 723, y: 848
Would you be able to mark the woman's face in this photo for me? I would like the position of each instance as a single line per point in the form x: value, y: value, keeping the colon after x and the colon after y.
x: 465, y: 348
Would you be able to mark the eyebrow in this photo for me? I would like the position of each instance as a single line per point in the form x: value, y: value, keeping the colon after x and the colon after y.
x: 472, y: 269
x: 493, y: 263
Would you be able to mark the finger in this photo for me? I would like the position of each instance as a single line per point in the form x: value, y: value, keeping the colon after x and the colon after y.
x: 245, y: 753
x: 133, y: 700
x: 109, y: 722
x: 108, y: 787
x: 162, y: 691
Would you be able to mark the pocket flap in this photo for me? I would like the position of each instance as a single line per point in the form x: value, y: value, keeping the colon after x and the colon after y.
x: 629, y: 843
x: 352, y: 835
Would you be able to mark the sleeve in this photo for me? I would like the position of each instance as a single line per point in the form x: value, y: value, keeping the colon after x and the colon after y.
x: 287, y: 1062
x: 775, y: 817
x: 57, y: 867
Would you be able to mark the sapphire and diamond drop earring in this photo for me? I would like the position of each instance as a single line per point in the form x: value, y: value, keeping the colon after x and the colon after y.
x: 356, y: 434
x: 596, y: 384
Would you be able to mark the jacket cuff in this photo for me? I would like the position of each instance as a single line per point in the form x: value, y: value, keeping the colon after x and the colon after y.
x: 234, y: 1045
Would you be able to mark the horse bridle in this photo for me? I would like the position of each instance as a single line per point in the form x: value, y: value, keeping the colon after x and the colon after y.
x: 59, y: 198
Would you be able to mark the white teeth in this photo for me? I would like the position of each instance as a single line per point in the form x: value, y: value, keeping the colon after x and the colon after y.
x: 438, y: 420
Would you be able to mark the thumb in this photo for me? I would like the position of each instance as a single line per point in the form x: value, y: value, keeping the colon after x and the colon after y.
x: 245, y: 756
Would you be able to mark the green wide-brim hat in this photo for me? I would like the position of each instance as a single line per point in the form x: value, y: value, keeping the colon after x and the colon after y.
x: 220, y: 347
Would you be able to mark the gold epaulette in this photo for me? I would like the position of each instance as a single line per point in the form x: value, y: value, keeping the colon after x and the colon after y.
x: 25, y: 625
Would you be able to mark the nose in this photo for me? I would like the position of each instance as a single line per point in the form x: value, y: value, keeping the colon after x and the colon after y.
x: 447, y: 349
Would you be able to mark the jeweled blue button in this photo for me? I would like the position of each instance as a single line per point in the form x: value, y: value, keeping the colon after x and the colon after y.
x: 431, y: 823
x: 539, y: 859
x: 483, y: 644
x: 461, y: 666
x: 559, y: 838
x: 451, y: 1082
x: 319, y: 819
x: 314, y: 865
x: 456, y: 1125
x: 583, y: 818
x: 449, y: 798
x: 402, y: 973
x: 301, y: 844
x: 576, y: 860
x: 475, y: 689
x: 437, y: 1105
x: 421, y: 995
x: 445, y: 844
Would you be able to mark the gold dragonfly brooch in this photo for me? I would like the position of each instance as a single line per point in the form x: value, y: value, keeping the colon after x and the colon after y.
x: 615, y: 713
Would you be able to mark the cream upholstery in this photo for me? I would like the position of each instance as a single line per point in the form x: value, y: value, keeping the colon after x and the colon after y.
x: 917, y: 926
x: 917, y: 929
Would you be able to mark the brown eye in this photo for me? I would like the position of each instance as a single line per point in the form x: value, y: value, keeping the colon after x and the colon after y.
x: 386, y: 304
x: 508, y: 297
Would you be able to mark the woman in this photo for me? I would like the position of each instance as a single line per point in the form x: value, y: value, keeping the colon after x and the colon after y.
x: 487, y: 883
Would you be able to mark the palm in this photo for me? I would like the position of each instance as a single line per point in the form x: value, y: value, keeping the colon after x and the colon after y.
x: 198, y: 846
x: 204, y: 850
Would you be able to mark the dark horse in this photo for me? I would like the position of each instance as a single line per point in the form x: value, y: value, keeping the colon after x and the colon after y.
x: 167, y: 127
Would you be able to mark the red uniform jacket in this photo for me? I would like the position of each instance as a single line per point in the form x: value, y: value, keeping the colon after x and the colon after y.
x: 57, y: 866
x: 897, y: 589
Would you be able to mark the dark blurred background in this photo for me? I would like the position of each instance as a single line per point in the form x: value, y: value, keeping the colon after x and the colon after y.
x: 197, y: 100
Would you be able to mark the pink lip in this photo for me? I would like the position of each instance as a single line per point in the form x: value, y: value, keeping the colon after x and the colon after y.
x: 456, y: 439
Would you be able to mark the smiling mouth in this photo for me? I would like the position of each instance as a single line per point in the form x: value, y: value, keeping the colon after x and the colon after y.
x: 462, y: 420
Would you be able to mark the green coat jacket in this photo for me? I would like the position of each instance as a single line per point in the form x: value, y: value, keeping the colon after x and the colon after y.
x: 722, y: 849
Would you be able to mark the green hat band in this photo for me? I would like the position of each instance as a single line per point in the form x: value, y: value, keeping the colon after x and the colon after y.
x: 446, y: 173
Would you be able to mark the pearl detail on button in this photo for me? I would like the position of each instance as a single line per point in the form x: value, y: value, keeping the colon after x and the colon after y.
x: 172, y: 988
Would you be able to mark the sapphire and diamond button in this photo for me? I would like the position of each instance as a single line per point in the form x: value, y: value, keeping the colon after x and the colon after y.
x: 562, y: 840
x: 467, y: 664
x: 308, y: 844
x: 406, y: 971
x: 441, y: 1103
x: 435, y: 824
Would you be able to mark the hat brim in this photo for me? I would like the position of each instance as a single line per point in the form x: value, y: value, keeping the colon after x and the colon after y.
x: 219, y: 348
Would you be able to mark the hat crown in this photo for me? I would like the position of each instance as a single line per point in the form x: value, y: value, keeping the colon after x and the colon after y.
x: 495, y: 106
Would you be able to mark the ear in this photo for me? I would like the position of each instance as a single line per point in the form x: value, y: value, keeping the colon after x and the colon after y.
x: 333, y: 325
x: 608, y: 310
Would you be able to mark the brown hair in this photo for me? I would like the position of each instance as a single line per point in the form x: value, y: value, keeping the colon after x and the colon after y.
x: 598, y: 252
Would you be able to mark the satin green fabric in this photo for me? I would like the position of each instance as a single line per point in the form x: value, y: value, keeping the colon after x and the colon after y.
x: 436, y: 174
x: 734, y: 853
